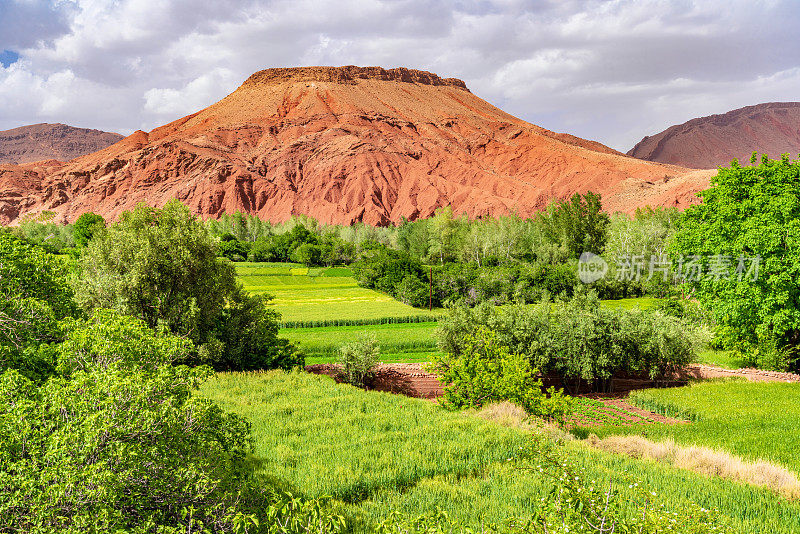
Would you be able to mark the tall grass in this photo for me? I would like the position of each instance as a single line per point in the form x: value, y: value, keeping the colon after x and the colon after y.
x: 750, y: 419
x: 377, y: 453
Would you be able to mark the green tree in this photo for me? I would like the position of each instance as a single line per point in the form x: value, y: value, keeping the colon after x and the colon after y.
x: 160, y: 266
x: 34, y: 299
x: 86, y: 227
x: 578, y: 224
x: 749, y: 212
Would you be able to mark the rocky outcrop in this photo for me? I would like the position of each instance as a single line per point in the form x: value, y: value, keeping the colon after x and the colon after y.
x: 709, y: 142
x: 39, y: 142
x: 351, y: 144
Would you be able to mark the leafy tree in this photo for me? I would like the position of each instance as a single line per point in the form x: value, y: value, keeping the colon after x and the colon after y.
x: 578, y: 224
x: 358, y: 359
x: 308, y: 254
x: 384, y: 269
x: 160, y: 266
x: 86, y: 227
x: 34, y: 299
x: 749, y: 212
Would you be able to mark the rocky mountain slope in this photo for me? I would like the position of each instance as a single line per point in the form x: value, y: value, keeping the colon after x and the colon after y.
x: 345, y: 144
x: 709, y: 142
x: 51, y: 141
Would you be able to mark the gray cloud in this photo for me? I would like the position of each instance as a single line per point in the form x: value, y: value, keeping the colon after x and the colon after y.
x: 613, y: 71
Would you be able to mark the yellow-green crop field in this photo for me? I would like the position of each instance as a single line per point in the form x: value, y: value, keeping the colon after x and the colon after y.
x: 319, y: 294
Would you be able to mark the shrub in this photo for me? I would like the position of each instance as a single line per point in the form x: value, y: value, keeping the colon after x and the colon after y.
x: 358, y: 359
x: 119, y: 442
x: 578, y: 339
x: 485, y: 372
x: 232, y: 249
x: 308, y: 254
x: 413, y: 292
x: 34, y: 299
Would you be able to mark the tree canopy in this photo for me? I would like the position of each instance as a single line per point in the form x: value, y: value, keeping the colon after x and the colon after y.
x: 748, y: 226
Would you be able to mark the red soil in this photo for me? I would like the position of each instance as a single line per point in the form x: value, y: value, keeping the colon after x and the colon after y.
x: 346, y: 144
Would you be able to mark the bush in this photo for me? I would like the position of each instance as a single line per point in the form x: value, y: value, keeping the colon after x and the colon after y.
x: 578, y: 339
x: 413, y: 292
x: 119, y: 442
x: 485, y: 372
x: 358, y: 360
x: 35, y: 298
x: 384, y: 269
x: 233, y: 250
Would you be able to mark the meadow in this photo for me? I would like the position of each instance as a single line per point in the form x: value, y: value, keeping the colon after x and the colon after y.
x: 319, y: 294
x: 376, y: 452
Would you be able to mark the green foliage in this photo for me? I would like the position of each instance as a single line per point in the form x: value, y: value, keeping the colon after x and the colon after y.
x: 578, y: 339
x: 750, y: 211
x: 307, y: 254
x: 41, y: 230
x: 86, y: 226
x: 484, y: 372
x: 249, y: 329
x: 34, y: 299
x: 413, y: 291
x: 385, y: 269
x: 358, y: 359
x: 579, y: 224
x: 119, y: 442
x: 160, y: 266
x: 233, y: 250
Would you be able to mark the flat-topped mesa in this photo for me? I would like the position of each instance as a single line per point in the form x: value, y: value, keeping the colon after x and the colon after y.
x: 350, y: 74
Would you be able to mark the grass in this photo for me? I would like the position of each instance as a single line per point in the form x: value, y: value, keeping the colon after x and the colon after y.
x: 394, y: 339
x: 750, y: 419
x: 376, y: 453
x: 302, y: 294
x: 720, y: 358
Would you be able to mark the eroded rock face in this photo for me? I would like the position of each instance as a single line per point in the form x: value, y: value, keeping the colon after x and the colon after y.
x: 348, y: 144
x: 39, y: 142
x: 709, y: 142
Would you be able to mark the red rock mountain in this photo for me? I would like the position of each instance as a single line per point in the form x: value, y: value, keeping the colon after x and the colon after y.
x: 345, y: 144
x: 51, y: 141
x: 709, y: 142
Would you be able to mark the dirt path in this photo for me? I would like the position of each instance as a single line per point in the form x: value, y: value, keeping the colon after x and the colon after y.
x: 700, y: 371
x: 412, y: 380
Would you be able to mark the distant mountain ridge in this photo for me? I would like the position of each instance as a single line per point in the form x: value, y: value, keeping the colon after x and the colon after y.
x: 345, y: 144
x: 61, y: 142
x: 708, y: 142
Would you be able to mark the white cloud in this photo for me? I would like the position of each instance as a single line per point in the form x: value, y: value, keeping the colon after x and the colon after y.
x: 611, y: 70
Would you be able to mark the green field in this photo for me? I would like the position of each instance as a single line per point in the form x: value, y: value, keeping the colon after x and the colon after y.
x: 750, y: 419
x: 376, y: 452
x: 302, y: 294
x: 398, y: 342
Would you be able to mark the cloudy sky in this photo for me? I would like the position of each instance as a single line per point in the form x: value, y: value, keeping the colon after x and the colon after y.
x: 613, y: 71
